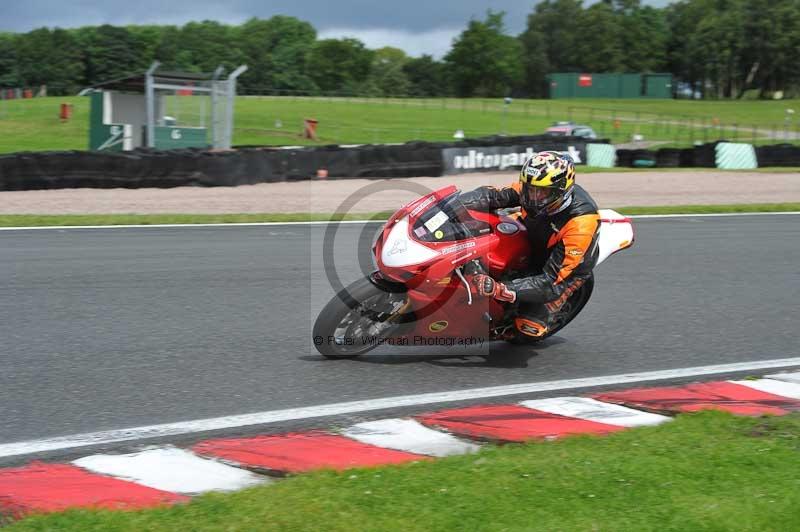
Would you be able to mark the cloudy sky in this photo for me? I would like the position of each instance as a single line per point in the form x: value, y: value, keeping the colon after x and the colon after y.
x: 417, y: 26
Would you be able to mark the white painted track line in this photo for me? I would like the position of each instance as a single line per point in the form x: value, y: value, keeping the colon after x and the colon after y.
x: 171, y: 469
x: 182, y: 226
x: 345, y: 222
x: 408, y: 435
x: 334, y: 409
x: 788, y: 377
x: 594, y: 410
x: 710, y: 215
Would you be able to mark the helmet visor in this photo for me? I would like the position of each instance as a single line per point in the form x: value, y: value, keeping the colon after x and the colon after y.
x: 539, y: 198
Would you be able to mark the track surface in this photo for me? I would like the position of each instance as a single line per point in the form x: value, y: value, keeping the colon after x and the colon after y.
x: 113, y: 328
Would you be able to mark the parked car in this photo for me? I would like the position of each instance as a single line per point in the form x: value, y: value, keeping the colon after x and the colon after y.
x: 568, y: 129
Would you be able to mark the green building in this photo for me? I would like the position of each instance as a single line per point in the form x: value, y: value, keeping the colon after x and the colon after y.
x: 573, y: 85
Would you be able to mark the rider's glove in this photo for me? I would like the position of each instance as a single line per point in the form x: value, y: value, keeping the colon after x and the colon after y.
x: 488, y: 287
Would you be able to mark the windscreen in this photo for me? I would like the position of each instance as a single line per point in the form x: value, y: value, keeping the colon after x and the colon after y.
x: 448, y: 221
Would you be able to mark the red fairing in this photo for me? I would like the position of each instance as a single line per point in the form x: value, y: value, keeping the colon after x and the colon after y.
x: 512, y: 250
x: 424, y: 257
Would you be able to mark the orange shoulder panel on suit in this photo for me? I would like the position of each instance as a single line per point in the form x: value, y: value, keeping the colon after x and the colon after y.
x: 577, y: 235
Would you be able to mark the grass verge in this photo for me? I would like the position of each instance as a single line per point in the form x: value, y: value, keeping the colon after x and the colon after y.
x: 65, y: 220
x: 705, y: 471
x: 34, y: 124
x: 711, y: 209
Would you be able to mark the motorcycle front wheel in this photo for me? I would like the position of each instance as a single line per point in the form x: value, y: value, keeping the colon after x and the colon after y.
x: 357, y: 319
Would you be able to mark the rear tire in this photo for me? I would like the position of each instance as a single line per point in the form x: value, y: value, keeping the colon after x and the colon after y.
x: 361, y: 312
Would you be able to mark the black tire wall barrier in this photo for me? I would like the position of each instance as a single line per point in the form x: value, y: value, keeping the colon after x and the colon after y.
x: 668, y: 158
x: 705, y: 155
x: 247, y: 165
x: 778, y: 155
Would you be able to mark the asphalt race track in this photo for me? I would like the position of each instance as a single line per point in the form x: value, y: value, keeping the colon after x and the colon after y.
x: 111, y: 328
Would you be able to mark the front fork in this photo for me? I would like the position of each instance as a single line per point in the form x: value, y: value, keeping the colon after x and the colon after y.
x: 385, y: 284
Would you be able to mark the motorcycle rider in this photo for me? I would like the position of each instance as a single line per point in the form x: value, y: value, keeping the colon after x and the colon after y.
x: 563, y: 225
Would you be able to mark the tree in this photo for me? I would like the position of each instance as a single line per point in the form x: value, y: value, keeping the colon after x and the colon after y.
x: 484, y: 61
x: 8, y: 61
x: 537, y: 66
x: 682, y: 18
x: 554, y: 22
x: 146, y: 39
x: 717, y: 44
x: 339, y: 64
x: 52, y: 58
x: 769, y: 61
x: 171, y: 53
x: 600, y: 45
x: 276, y: 52
x: 387, y: 76
x: 643, y: 36
x: 427, y: 77
x: 209, y: 44
x: 110, y: 53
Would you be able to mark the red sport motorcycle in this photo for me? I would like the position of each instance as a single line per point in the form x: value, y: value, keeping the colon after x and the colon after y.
x: 426, y: 255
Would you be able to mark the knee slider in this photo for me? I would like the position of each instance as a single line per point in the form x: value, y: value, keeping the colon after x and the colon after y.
x: 530, y: 327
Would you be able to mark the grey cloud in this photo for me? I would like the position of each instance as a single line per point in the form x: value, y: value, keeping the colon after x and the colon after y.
x: 409, y: 16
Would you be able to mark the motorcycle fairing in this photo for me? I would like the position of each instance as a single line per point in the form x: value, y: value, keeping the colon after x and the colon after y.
x: 437, y: 295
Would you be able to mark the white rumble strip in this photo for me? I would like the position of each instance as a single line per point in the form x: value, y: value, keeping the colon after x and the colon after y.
x: 408, y: 435
x: 788, y: 377
x: 594, y: 410
x: 171, y: 469
x: 786, y: 389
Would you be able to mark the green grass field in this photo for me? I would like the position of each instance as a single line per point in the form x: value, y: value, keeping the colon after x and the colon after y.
x: 65, y: 220
x: 34, y: 124
x: 707, y: 471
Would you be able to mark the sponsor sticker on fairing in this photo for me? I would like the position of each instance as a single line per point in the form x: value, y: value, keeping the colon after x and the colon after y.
x: 458, y: 247
x: 419, y: 208
x: 437, y: 221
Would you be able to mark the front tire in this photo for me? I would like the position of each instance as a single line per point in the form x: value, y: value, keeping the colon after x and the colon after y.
x: 357, y: 318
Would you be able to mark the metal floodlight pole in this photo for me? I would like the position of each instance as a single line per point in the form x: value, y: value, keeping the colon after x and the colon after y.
x: 231, y: 95
x: 150, y: 97
x: 216, y: 142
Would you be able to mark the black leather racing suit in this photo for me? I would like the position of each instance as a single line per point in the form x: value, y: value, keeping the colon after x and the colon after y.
x: 563, y: 248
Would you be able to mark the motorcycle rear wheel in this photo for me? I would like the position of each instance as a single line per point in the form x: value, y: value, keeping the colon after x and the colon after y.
x: 357, y: 318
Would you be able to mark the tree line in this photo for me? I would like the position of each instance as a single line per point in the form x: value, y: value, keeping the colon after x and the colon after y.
x: 722, y: 48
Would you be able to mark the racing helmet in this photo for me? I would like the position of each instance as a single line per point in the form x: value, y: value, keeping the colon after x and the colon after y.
x: 547, y: 180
